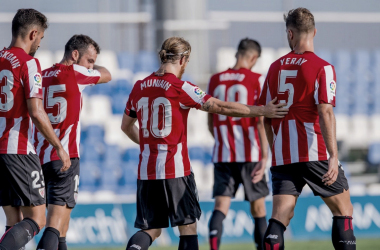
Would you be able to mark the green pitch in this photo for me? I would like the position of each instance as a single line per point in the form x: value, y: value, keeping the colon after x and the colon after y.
x: 362, y: 244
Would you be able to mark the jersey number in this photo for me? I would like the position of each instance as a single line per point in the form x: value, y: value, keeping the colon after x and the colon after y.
x: 6, y: 90
x: 36, y: 176
x: 234, y: 91
x: 59, y: 101
x: 158, y: 130
x: 284, y: 86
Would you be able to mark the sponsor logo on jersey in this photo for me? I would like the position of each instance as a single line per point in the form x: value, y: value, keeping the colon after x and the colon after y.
x: 42, y: 192
x: 37, y: 80
x: 199, y: 92
x: 272, y: 236
x: 332, y: 87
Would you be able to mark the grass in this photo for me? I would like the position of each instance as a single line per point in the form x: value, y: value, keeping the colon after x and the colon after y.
x: 362, y: 244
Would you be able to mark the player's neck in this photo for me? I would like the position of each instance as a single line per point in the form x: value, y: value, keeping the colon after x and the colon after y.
x: 304, y: 45
x: 66, y: 62
x: 19, y: 43
x: 241, y: 64
x: 169, y: 68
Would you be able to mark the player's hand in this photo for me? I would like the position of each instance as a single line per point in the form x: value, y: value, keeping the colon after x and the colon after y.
x: 330, y: 177
x: 65, y: 158
x: 272, y: 110
x: 258, y: 172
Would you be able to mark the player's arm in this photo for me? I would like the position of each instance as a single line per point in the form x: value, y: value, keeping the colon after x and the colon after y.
x: 130, y: 129
x: 105, y: 75
x: 42, y: 122
x: 328, y: 129
x: 259, y: 170
x: 210, y: 123
x: 268, y: 131
x: 271, y: 110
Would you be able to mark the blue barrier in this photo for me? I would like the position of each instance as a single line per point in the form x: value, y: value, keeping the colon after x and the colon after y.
x: 107, y: 225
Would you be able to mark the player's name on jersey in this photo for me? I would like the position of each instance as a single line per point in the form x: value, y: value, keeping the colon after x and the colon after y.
x: 155, y: 83
x: 231, y: 77
x: 52, y: 73
x: 11, y: 58
x: 294, y: 61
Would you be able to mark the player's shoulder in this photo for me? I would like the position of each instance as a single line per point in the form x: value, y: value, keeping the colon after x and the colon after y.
x: 319, y: 61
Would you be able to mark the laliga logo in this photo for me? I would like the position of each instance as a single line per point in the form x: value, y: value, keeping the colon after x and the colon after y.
x: 37, y: 78
x: 332, y: 85
x: 198, y: 91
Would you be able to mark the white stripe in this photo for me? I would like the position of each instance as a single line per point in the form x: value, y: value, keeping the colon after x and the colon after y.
x: 81, y: 87
x: 50, y: 148
x: 312, y: 141
x: 226, y: 157
x: 3, y: 124
x: 183, y: 106
x: 293, y: 137
x: 268, y: 97
x: 239, y: 143
x: 216, y: 147
x: 13, y: 136
x: 190, y: 91
x: 161, y: 160
x: 65, y: 139
x: 30, y: 146
x: 144, y: 162
x: 178, y: 162
x: 41, y: 141
x: 78, y: 138
x: 316, y: 92
x: 278, y: 147
x: 254, y: 145
x: 85, y: 71
x: 32, y: 70
x: 329, y: 78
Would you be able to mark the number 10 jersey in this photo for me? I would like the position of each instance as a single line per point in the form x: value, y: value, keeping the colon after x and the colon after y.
x: 302, y: 81
x: 62, y: 89
x: 161, y: 104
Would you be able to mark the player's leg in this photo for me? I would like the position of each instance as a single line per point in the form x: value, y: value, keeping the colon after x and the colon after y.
x: 143, y: 239
x: 62, y: 239
x: 255, y: 194
x: 13, y: 216
x: 225, y: 187
x: 28, y: 192
x: 188, y: 239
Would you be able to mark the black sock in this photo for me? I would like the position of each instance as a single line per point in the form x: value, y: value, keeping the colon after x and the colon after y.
x: 62, y: 243
x: 188, y: 242
x: 258, y: 233
x: 7, y: 228
x: 139, y: 241
x: 19, y: 234
x: 274, y: 236
x: 216, y: 229
x: 49, y: 240
x: 343, y: 233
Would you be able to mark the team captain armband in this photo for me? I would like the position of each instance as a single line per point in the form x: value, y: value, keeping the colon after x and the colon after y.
x: 130, y: 113
x: 192, y: 96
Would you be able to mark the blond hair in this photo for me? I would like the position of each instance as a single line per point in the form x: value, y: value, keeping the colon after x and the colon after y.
x: 173, y: 49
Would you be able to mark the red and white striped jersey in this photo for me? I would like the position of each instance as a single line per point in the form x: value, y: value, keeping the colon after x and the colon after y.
x: 20, y: 79
x: 62, y: 87
x: 162, y: 104
x: 236, y: 139
x: 302, y: 81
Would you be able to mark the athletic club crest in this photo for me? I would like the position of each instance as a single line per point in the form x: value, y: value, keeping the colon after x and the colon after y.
x: 42, y: 192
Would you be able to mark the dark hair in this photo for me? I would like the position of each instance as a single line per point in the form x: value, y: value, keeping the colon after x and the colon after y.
x: 248, y: 44
x: 25, y: 19
x: 300, y: 19
x: 80, y: 43
x: 173, y: 49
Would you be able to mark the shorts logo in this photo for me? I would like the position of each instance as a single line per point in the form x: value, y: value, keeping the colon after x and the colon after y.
x: 214, y: 232
x: 332, y: 87
x: 136, y: 246
x: 42, y: 192
x: 272, y: 236
x: 75, y: 196
x: 37, y: 80
x: 200, y: 94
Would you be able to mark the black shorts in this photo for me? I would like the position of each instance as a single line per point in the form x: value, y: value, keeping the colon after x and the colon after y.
x: 161, y: 200
x: 62, y: 187
x: 290, y: 179
x: 228, y: 177
x: 21, y: 180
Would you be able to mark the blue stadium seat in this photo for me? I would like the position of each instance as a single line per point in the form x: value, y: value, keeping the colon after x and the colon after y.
x: 123, y: 86
x: 131, y: 154
x: 118, y: 103
x: 197, y: 153
x: 147, y: 61
x: 343, y: 59
x: 362, y: 60
x: 126, y: 60
x: 325, y: 55
x: 109, y: 179
x: 95, y: 133
x: 361, y: 87
x: 88, y: 177
x: 374, y: 153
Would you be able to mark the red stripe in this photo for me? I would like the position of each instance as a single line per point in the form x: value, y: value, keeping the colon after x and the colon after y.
x: 322, y: 153
x: 351, y: 224
x: 303, y: 147
x: 274, y: 163
x: 346, y: 224
x: 220, y: 149
x: 73, y: 149
x: 231, y: 140
x: 23, y: 136
x: 140, y: 159
x: 170, y: 164
x: 214, y: 243
x: 8, y: 126
x: 247, y: 143
x: 151, y: 171
x: 276, y: 246
x: 285, y: 143
x: 267, y: 246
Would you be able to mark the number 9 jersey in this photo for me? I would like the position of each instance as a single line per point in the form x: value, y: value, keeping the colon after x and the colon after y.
x: 302, y: 81
x: 62, y: 88
x: 161, y: 104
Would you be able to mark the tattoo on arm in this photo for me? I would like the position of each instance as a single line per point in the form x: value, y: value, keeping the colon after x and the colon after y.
x: 207, y: 105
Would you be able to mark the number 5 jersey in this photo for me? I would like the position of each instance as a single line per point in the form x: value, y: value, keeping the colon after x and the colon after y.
x: 302, y: 81
x: 62, y: 88
x: 161, y: 104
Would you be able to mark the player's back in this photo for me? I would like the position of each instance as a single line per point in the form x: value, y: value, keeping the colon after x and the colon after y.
x: 236, y: 139
x: 302, y: 81
x: 20, y: 79
x: 161, y: 105
x: 62, y: 87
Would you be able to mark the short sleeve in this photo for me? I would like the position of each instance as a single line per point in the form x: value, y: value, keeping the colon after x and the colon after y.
x: 32, y: 79
x: 192, y: 96
x: 86, y: 77
x: 325, y: 86
x: 129, y: 109
x: 265, y: 95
